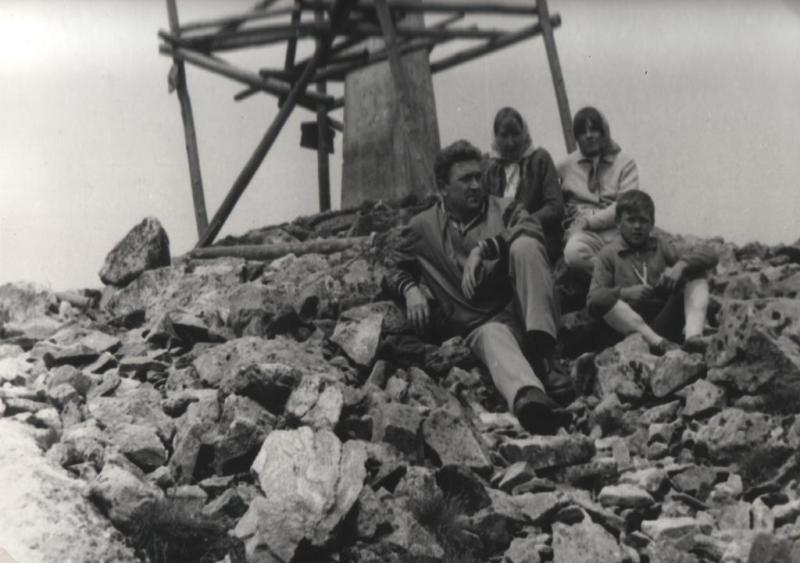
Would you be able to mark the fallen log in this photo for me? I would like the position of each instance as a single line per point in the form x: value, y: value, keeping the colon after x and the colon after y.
x: 273, y: 251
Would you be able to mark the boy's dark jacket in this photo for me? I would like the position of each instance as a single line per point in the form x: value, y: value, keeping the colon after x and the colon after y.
x: 617, y: 264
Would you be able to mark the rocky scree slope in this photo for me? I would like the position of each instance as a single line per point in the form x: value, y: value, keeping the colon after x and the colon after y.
x: 274, y: 411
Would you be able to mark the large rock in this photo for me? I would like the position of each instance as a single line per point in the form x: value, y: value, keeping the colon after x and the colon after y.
x: 123, y: 496
x: 703, y: 397
x: 243, y: 426
x: 14, y: 370
x: 21, y: 302
x: 359, y: 338
x: 625, y: 496
x: 549, y: 451
x: 219, y: 363
x: 269, y: 384
x: 626, y: 369
x: 585, y: 542
x: 674, y: 370
x: 538, y: 508
x: 145, y: 247
x: 316, y: 402
x: 323, y: 285
x: 770, y: 281
x: 455, y: 441
x: 199, y: 290
x: 310, y: 481
x: 398, y: 425
x: 410, y: 537
x: 251, y: 309
x: 141, y: 444
x: 758, y: 342
x: 138, y: 406
x: 732, y: 432
x: 678, y: 531
x: 196, y: 429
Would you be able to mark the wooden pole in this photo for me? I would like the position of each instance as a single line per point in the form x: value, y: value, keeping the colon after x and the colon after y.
x: 338, y: 14
x: 432, y: 6
x: 291, y: 46
x: 323, y: 163
x: 267, y: 35
x: 189, y: 131
x: 308, y: 100
x: 230, y: 23
x: 558, y: 77
x: 506, y: 40
x: 471, y: 32
x: 273, y: 251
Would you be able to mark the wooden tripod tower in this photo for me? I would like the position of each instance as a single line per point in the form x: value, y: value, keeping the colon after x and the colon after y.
x: 345, y: 34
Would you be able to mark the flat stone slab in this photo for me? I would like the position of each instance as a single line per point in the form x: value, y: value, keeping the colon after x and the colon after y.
x: 549, y: 451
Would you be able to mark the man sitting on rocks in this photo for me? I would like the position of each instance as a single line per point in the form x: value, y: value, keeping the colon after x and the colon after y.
x: 484, y: 261
x: 641, y: 284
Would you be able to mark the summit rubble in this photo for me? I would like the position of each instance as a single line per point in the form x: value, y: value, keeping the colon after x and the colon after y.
x: 273, y: 411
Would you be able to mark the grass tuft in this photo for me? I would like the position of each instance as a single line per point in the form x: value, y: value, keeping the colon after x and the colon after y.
x: 175, y: 531
x: 445, y: 516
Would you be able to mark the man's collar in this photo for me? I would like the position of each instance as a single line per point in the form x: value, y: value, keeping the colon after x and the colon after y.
x: 462, y: 227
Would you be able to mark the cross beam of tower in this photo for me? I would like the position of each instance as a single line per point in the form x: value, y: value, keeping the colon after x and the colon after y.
x: 350, y: 37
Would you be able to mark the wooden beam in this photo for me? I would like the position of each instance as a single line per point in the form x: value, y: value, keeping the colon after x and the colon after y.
x: 266, y: 35
x: 323, y: 162
x: 250, y: 37
x: 557, y: 75
x: 340, y: 72
x: 308, y: 100
x: 432, y: 6
x: 472, y: 32
x: 189, y: 130
x: 273, y: 251
x: 336, y: 48
x: 229, y: 23
x: 366, y: 58
x: 291, y: 47
x: 506, y: 40
x: 338, y: 13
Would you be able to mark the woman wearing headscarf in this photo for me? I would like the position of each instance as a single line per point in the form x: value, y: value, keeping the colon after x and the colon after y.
x: 519, y: 170
x: 592, y: 178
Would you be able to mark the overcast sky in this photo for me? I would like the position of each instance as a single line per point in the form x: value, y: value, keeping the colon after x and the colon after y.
x: 702, y: 94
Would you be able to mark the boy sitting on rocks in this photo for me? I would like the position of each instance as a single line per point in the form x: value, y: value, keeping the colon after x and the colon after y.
x: 641, y: 284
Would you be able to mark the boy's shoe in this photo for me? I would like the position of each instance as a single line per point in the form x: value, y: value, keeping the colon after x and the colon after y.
x: 663, y: 346
x: 538, y: 413
x: 584, y: 372
x: 696, y: 344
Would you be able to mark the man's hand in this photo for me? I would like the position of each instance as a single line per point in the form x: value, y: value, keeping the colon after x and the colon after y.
x: 417, y: 310
x: 673, y: 276
x: 636, y: 293
x: 472, y: 270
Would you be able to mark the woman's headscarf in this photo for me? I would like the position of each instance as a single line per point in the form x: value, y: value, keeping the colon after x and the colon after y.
x: 591, y: 116
x: 522, y: 146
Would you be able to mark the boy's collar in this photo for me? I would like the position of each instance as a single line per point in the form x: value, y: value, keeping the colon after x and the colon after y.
x: 650, y: 244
